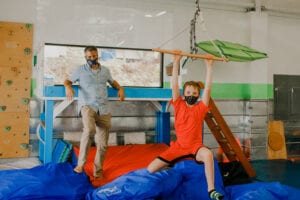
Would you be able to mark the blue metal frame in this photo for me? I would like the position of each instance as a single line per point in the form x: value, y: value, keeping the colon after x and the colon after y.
x: 162, y: 127
x: 155, y: 95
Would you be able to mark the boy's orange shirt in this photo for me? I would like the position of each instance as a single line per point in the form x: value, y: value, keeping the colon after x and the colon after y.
x: 189, y: 122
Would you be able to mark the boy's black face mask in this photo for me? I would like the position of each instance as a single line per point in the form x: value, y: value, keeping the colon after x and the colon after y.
x: 191, y: 100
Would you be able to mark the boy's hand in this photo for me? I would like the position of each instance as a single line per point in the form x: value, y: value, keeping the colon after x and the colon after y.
x: 177, y: 57
x: 209, y: 61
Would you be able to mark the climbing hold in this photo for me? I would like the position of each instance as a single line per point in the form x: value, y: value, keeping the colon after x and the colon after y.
x: 24, y: 146
x: 28, y: 26
x: 9, y: 82
x: 7, y: 128
x: 27, y: 51
x: 25, y: 101
x: 2, y: 108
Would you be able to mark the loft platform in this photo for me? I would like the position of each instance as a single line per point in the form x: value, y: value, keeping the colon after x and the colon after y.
x: 159, y: 97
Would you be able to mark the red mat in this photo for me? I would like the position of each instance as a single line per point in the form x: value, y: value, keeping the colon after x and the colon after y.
x: 121, y: 160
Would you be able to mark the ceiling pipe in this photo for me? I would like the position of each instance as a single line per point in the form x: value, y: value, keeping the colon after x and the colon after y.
x: 280, y: 13
x: 233, y: 3
x: 282, y: 10
x: 228, y: 5
x: 245, y: 6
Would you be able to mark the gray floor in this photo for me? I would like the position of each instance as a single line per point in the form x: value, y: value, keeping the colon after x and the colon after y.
x: 19, y: 163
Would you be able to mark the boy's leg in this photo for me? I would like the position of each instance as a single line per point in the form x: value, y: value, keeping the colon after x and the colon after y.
x: 165, y: 158
x: 156, y: 165
x: 205, y: 155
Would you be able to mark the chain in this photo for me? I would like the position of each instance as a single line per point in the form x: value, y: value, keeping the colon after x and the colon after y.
x: 193, y: 41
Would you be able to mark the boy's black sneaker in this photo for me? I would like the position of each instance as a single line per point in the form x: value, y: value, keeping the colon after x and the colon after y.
x: 214, y: 195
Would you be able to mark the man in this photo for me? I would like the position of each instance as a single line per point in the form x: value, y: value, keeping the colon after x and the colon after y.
x: 92, y: 106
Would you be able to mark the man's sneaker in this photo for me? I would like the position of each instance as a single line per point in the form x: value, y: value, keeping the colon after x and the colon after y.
x: 214, y: 195
x: 98, y: 175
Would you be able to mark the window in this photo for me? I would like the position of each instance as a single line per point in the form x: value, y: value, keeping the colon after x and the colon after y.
x: 130, y: 67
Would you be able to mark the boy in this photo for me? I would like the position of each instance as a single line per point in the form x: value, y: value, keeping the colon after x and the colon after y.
x: 189, y: 116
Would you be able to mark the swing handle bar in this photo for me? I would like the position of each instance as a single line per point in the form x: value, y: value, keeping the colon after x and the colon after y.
x: 208, y: 57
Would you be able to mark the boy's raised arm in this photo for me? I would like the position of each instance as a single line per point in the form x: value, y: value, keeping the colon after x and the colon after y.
x: 174, y: 83
x: 208, y: 81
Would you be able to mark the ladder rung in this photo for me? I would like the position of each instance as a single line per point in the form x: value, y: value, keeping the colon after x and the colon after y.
x: 210, y: 115
x: 224, y: 140
x: 218, y: 128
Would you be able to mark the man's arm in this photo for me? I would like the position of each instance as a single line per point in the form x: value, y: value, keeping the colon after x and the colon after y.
x: 174, y: 83
x: 121, y: 93
x: 69, y: 90
x: 208, y: 81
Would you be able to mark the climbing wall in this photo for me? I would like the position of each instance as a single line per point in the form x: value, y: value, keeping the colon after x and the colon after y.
x: 15, y: 77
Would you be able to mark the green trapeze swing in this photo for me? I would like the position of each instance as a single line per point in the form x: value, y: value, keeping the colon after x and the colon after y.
x: 221, y: 50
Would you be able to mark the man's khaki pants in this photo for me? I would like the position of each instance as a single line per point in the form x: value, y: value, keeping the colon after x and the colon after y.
x: 97, y: 127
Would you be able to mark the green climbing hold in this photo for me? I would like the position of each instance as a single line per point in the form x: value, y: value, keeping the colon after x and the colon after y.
x: 2, y: 108
x: 7, y: 128
x: 27, y: 51
x: 25, y: 101
x: 9, y: 82
x: 24, y: 146
x: 28, y: 26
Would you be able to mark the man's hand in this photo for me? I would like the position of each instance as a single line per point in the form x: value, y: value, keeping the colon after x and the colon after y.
x: 121, y: 94
x: 69, y: 91
x: 120, y: 89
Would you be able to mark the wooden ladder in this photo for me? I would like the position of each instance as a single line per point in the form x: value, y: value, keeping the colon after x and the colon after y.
x: 225, y: 138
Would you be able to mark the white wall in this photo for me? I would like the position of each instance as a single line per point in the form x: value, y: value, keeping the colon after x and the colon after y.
x: 123, y: 23
x: 284, y: 46
x: 18, y: 11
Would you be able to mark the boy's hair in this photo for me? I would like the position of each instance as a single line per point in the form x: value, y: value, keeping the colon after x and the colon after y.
x: 90, y: 48
x: 191, y: 83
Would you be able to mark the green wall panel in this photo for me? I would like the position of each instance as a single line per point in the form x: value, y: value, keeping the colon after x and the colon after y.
x: 239, y: 90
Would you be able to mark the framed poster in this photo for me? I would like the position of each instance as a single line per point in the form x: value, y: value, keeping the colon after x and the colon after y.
x: 129, y: 66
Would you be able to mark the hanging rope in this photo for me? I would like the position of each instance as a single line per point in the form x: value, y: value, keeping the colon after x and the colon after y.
x: 175, y: 36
